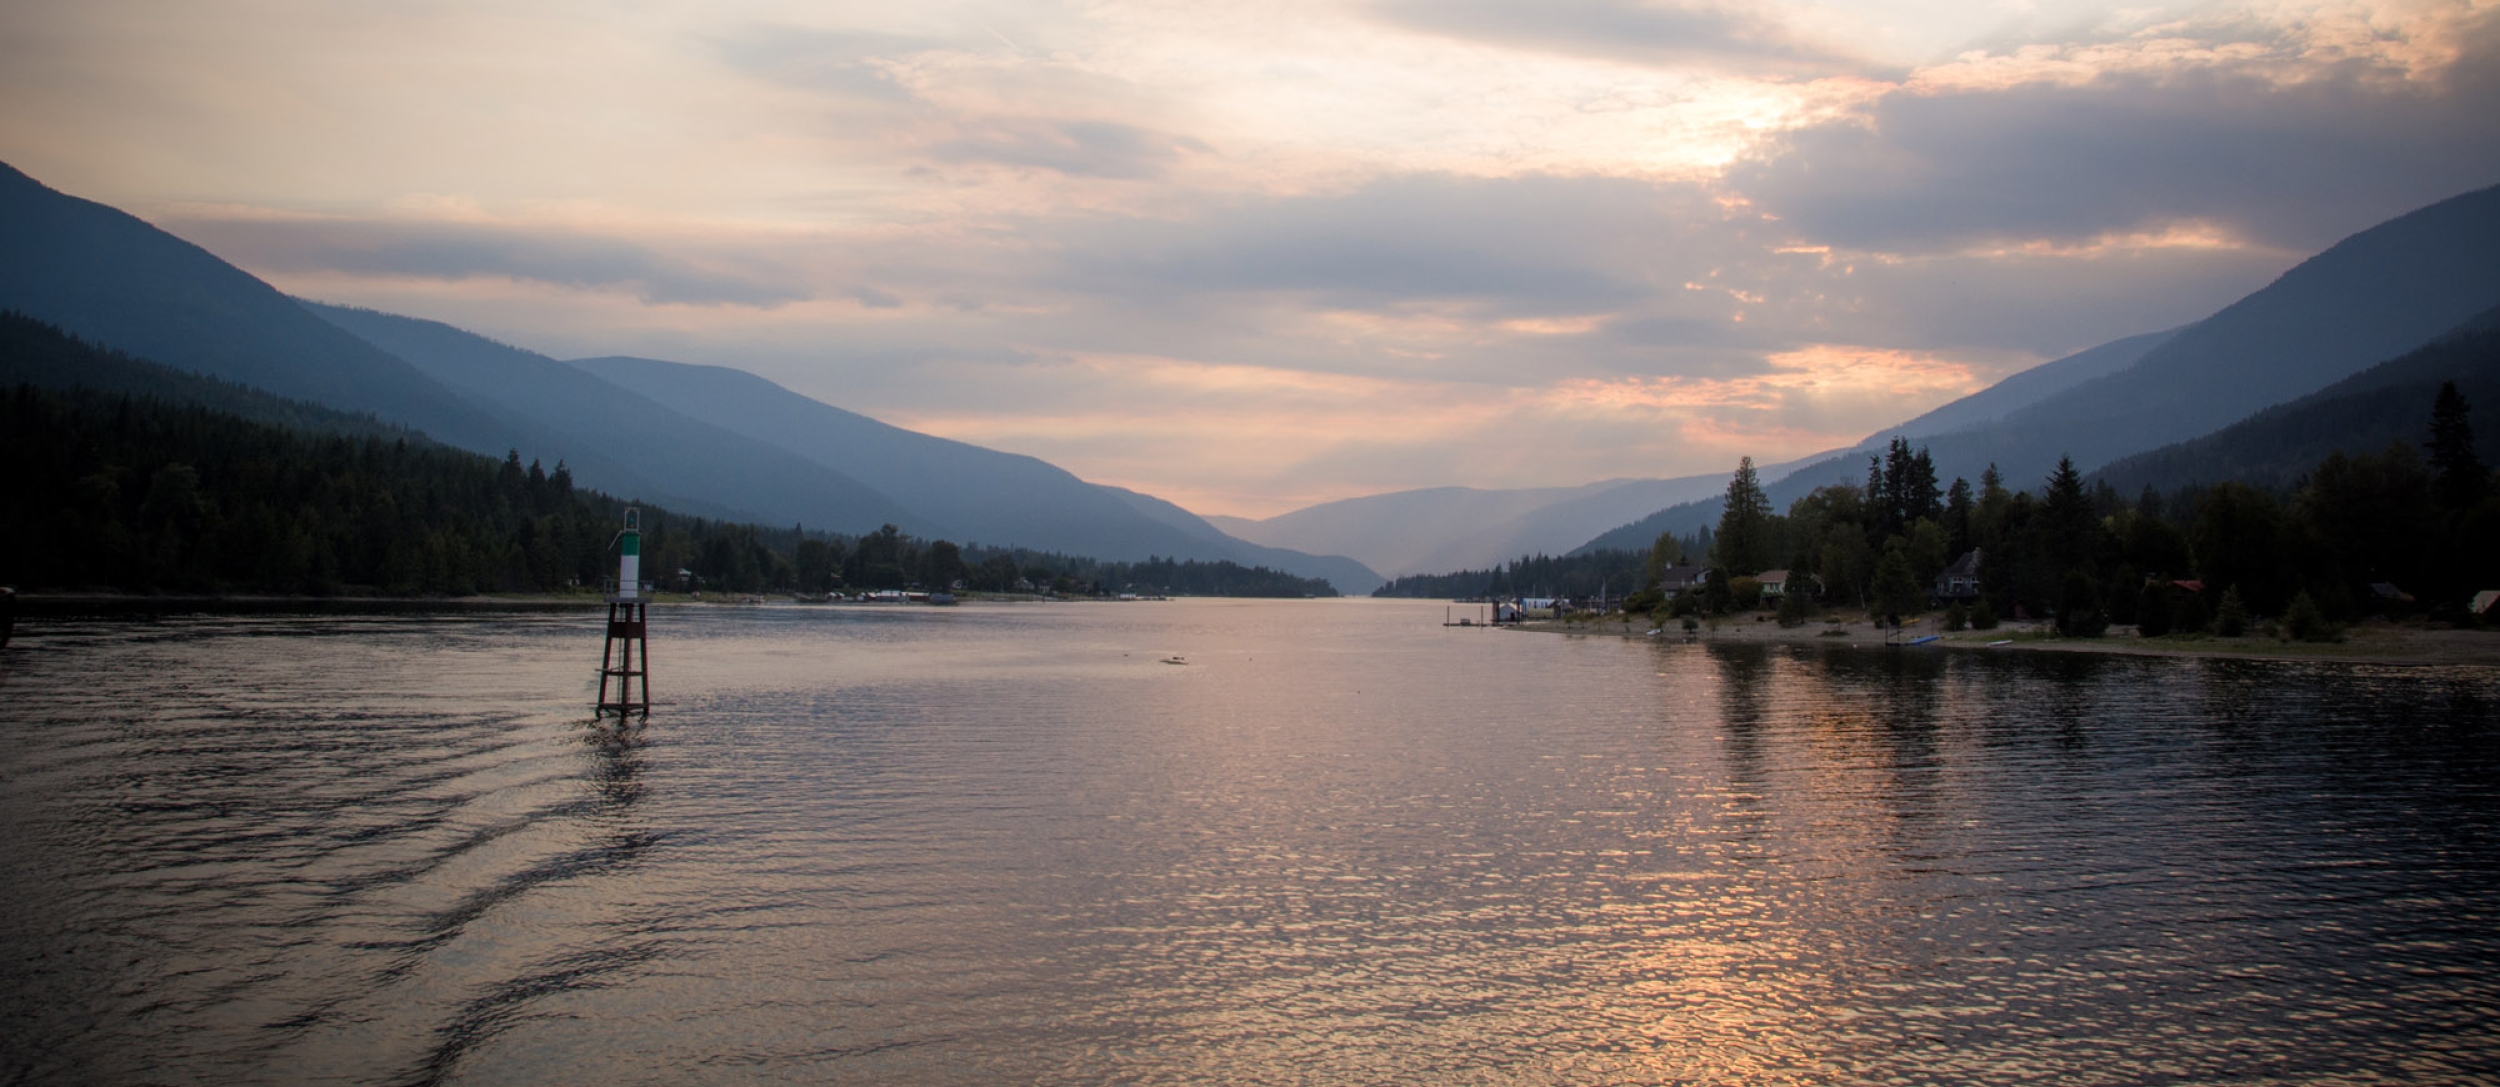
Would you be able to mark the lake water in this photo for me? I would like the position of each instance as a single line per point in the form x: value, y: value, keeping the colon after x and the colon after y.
x: 1340, y: 845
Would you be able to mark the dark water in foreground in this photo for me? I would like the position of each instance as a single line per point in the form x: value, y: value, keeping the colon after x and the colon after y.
x: 1341, y: 845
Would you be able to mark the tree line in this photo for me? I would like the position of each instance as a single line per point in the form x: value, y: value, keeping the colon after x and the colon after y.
x: 1582, y: 575
x: 126, y: 492
x: 2355, y: 536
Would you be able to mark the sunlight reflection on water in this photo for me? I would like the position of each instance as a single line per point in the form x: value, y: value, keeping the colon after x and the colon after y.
x: 1340, y: 845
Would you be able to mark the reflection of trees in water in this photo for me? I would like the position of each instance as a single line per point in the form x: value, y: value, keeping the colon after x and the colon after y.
x: 2026, y: 696
x: 1890, y: 703
x: 1885, y: 702
x: 1744, y: 682
x: 1903, y: 710
x: 1746, y: 678
x: 1901, y: 688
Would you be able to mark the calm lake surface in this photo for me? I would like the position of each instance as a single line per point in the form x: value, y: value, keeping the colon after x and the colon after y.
x: 1340, y: 845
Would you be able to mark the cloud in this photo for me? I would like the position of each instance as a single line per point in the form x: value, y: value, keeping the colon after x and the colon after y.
x: 2283, y: 144
x: 1527, y: 246
x: 1294, y: 252
x: 839, y: 61
x: 874, y: 298
x: 432, y: 249
x: 1076, y: 148
x: 1684, y: 34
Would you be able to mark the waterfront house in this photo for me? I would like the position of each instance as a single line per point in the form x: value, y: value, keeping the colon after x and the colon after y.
x: 1676, y: 579
x: 1960, y: 581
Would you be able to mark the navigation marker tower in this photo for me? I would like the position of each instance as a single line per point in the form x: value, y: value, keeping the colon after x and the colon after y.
x: 626, y: 658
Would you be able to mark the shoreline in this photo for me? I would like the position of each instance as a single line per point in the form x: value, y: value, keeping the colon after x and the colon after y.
x: 2372, y: 642
x: 111, y: 603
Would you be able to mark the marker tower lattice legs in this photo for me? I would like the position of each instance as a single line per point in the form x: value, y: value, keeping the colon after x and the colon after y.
x: 625, y: 661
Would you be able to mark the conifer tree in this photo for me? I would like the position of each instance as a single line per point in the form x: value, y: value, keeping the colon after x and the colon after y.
x: 1663, y: 553
x: 1896, y: 589
x: 2068, y: 513
x: 1744, y: 539
x: 1900, y: 489
x: 2462, y: 478
x: 1958, y: 508
x: 2231, y: 617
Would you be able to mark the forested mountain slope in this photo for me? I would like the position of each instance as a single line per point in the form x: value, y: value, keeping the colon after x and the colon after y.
x: 687, y: 463
x: 965, y: 491
x: 111, y: 279
x: 2362, y: 414
x: 2369, y: 298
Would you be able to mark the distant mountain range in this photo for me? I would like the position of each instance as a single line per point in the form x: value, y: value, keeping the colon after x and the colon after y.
x: 113, y: 280
x: 2372, y: 297
x: 2387, y: 404
x: 701, y: 440
x: 961, y: 492
x: 38, y: 354
x: 2257, y: 391
x: 2368, y: 299
x: 1441, y: 529
x: 679, y: 462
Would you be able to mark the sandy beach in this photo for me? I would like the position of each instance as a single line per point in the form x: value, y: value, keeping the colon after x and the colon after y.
x: 2374, y: 642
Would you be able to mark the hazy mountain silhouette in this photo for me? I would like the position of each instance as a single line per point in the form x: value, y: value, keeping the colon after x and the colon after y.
x: 2362, y: 414
x: 105, y: 276
x: 968, y: 493
x: 108, y: 278
x: 2022, y: 390
x: 687, y: 463
x: 2369, y: 298
x: 1340, y: 570
x: 39, y: 354
x: 115, y: 281
x: 1439, y: 529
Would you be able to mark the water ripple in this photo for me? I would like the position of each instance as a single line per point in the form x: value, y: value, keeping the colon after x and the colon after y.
x: 1344, y: 846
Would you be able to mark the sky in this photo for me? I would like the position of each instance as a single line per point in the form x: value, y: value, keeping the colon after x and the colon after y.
x: 1250, y: 256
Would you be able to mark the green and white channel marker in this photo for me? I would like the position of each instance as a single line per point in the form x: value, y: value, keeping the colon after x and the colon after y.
x: 629, y: 567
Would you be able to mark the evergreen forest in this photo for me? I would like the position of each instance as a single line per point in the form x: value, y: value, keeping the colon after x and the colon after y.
x: 2405, y: 530
x: 128, y: 477
x: 1576, y: 576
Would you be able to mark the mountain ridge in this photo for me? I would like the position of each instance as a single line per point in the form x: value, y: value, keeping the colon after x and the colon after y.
x: 110, y: 278
x: 688, y: 464
x: 2370, y: 297
x: 2362, y: 414
x: 1561, y: 520
x: 976, y: 494
x: 106, y: 276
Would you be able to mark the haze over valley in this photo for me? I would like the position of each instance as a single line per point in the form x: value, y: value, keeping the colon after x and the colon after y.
x: 1254, y: 266
x: 808, y: 541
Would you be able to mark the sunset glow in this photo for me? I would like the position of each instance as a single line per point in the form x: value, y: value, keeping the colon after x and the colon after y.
x: 1251, y: 259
